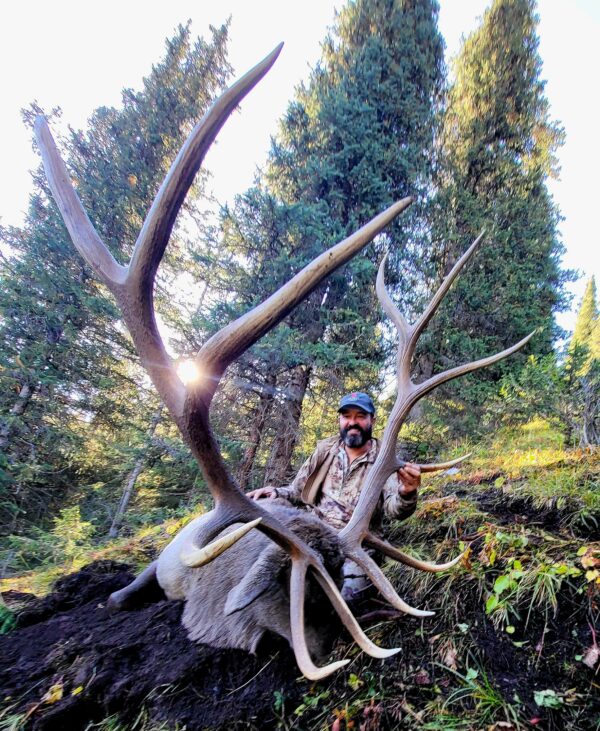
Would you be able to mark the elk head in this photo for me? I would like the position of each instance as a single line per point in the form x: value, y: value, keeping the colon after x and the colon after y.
x: 132, y: 287
x: 234, y: 600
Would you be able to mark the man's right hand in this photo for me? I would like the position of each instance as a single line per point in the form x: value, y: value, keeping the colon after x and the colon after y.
x: 268, y: 492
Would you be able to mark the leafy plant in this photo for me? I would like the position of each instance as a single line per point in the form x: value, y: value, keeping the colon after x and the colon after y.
x: 547, y: 698
x: 8, y: 619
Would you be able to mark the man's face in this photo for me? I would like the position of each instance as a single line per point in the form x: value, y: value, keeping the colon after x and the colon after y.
x: 356, y: 426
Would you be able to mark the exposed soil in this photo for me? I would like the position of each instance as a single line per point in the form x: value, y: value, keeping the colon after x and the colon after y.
x: 131, y: 660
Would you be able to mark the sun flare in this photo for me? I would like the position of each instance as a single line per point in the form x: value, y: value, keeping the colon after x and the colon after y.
x: 188, y: 371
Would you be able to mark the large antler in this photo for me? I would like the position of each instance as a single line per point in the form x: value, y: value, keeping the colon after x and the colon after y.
x: 357, y: 531
x: 132, y: 286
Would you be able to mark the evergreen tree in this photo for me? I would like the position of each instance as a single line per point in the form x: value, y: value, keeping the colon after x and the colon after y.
x: 356, y: 137
x: 582, y: 367
x: 65, y: 364
x: 567, y: 388
x: 587, y: 317
x: 498, y: 143
x: 594, y: 342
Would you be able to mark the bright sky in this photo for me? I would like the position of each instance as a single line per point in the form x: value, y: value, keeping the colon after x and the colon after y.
x: 80, y: 55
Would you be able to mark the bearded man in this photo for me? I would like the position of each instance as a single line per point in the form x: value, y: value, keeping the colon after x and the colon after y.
x: 332, y: 478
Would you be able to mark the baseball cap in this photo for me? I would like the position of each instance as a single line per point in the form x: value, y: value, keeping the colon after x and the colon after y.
x: 358, y: 400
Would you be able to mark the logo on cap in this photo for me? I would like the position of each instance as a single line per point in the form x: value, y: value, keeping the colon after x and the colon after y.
x: 359, y: 400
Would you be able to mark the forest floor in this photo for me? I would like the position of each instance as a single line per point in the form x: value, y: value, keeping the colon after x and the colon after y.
x: 513, y: 644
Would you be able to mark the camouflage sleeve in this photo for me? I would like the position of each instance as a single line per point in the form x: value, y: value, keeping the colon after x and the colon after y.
x: 394, y: 505
x: 293, y: 491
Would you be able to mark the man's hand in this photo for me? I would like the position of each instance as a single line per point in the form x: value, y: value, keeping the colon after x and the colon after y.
x: 410, y: 479
x: 268, y: 492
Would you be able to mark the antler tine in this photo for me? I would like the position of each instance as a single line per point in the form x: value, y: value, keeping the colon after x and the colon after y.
x: 431, y: 308
x: 387, y: 303
x: 348, y: 619
x: 303, y: 659
x: 439, y: 378
x: 436, y: 466
x: 194, y: 557
x: 386, y: 548
x: 155, y: 233
x: 226, y: 345
x: 82, y: 232
x: 382, y: 583
x: 138, y: 314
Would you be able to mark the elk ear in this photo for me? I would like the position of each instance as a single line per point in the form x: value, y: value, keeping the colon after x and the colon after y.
x: 261, y: 578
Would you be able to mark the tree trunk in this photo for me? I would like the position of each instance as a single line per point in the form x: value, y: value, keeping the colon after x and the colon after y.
x: 278, y: 467
x: 18, y: 409
x: 590, y: 434
x: 256, y: 429
x: 132, y: 478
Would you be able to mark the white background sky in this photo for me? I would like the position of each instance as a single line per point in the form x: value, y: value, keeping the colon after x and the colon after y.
x: 79, y: 55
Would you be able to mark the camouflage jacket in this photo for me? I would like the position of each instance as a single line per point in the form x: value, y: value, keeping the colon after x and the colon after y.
x: 327, y: 481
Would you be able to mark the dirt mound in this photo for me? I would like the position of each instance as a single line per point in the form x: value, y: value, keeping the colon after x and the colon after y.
x: 70, y: 663
x: 103, y: 664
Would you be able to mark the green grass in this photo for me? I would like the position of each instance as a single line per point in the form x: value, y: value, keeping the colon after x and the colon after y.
x: 138, y: 550
x: 489, y: 705
x: 12, y: 721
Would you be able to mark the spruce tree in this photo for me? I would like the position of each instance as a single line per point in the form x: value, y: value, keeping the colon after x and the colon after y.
x: 498, y: 146
x: 587, y: 317
x: 583, y: 352
x: 356, y: 137
x: 582, y: 369
x: 594, y: 342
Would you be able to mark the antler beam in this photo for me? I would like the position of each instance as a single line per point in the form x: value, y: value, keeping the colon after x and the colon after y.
x: 133, y: 285
x: 357, y: 530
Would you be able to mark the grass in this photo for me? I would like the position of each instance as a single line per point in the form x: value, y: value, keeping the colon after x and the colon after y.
x: 141, y: 723
x: 12, y: 721
x: 489, y: 705
x: 528, y: 507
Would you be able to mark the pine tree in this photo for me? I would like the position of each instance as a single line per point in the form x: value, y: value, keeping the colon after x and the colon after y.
x: 498, y: 145
x: 356, y: 137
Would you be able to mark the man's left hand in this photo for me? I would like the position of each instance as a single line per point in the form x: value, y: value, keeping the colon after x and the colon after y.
x: 410, y: 479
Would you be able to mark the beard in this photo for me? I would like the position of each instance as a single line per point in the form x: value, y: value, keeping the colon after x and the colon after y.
x: 358, y: 438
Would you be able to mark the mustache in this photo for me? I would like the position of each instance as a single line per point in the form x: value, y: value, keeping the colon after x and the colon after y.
x: 358, y: 428
x: 359, y: 436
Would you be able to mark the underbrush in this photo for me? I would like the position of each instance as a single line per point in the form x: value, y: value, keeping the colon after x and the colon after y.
x: 513, y: 644
x: 33, y: 564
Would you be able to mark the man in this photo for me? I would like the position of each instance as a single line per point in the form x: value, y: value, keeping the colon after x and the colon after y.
x: 331, y: 479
